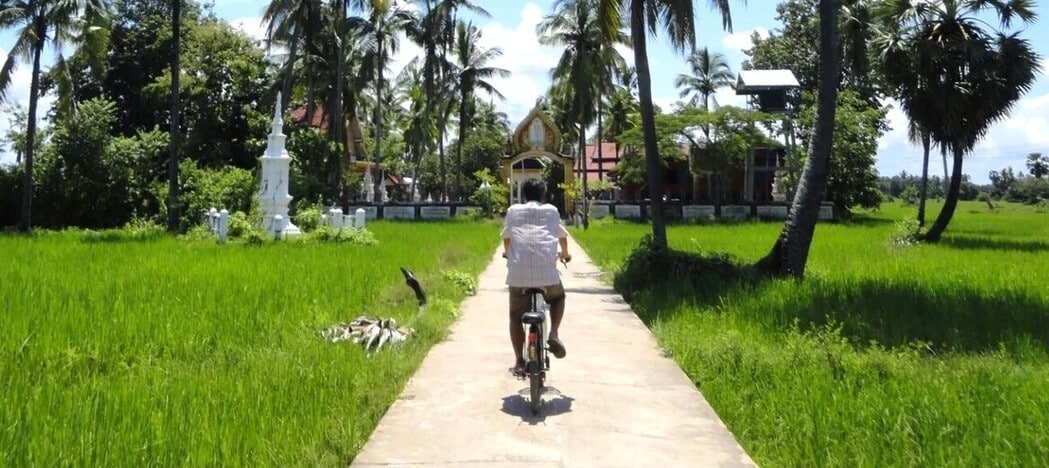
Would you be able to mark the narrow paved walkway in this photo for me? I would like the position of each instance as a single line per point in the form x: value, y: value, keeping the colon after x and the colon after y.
x: 616, y: 400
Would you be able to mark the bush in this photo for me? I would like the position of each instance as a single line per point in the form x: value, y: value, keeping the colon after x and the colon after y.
x: 353, y: 236
x: 651, y: 265
x: 200, y: 190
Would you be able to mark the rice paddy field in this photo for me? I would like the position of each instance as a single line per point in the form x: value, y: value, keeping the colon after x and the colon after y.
x: 885, y: 355
x: 160, y: 351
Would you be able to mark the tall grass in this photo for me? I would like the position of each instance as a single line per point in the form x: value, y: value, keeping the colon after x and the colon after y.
x: 170, y: 352
x: 884, y: 355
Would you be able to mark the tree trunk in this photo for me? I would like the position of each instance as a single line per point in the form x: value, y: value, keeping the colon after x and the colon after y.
x: 26, y: 223
x: 949, y: 203
x: 459, y: 149
x: 289, y: 74
x: 176, y: 111
x: 654, y: 166
x: 946, y: 175
x: 582, y: 157
x: 378, y: 124
x: 923, y: 193
x: 444, y: 166
x: 791, y: 251
x: 600, y: 142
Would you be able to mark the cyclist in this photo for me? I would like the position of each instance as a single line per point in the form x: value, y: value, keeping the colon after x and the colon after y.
x: 531, y: 236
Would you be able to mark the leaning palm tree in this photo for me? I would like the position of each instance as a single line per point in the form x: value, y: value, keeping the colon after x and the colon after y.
x: 586, y: 65
x: 955, y: 75
x: 472, y: 72
x: 39, y: 24
x: 710, y: 72
x: 677, y: 19
x: 790, y: 253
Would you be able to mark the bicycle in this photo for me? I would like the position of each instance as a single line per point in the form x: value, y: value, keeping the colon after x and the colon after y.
x: 537, y: 360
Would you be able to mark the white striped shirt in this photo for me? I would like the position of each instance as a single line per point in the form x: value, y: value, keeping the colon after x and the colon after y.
x: 533, y: 230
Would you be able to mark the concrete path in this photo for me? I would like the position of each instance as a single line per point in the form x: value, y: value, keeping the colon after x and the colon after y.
x: 615, y: 401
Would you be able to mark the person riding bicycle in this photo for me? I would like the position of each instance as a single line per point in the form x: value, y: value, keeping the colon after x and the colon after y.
x: 531, y: 236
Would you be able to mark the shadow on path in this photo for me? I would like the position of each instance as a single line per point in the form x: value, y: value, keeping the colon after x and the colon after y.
x: 517, y: 405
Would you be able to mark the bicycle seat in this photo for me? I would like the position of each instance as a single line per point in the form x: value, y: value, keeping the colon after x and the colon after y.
x: 530, y: 291
x: 533, y: 318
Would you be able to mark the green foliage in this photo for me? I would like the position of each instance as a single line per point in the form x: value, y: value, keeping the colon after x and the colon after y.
x: 137, y: 230
x: 10, y: 194
x: 493, y: 200
x: 241, y: 225
x: 853, y: 179
x: 929, y: 355
x: 650, y: 264
x: 351, y: 236
x: 200, y: 190
x: 180, y: 346
x: 465, y: 282
x: 315, y: 165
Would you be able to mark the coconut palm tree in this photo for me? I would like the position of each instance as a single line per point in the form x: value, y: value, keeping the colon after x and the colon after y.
x: 586, y: 66
x: 472, y: 72
x: 294, y: 23
x: 954, y: 74
x: 436, y: 35
x: 710, y: 72
x: 383, y: 21
x: 38, y: 24
x: 791, y: 251
x: 677, y: 19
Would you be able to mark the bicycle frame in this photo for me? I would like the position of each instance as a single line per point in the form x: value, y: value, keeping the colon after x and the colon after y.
x: 537, y: 362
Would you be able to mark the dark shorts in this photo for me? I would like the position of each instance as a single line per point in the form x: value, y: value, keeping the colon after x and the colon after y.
x: 520, y: 302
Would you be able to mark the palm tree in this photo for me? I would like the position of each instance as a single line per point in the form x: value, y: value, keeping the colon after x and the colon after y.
x: 955, y: 75
x: 710, y: 72
x: 294, y: 23
x: 472, y: 73
x: 56, y: 23
x: 622, y: 112
x: 436, y: 35
x: 677, y: 18
x: 791, y: 251
x: 586, y: 66
x: 384, y: 21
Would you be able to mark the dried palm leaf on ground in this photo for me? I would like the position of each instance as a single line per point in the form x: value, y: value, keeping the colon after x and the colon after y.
x: 372, y: 333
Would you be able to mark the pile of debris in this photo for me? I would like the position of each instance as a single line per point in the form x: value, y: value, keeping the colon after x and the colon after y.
x: 372, y: 333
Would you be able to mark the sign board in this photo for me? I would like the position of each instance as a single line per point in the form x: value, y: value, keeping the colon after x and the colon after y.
x: 628, y: 211
x: 772, y: 212
x: 370, y: 212
x: 598, y: 211
x: 826, y: 212
x: 435, y: 212
x: 697, y: 211
x: 735, y: 212
x: 398, y: 212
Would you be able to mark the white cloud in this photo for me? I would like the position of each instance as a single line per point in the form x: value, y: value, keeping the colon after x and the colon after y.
x: 529, y: 61
x: 252, y: 26
x: 741, y: 40
x: 1007, y: 143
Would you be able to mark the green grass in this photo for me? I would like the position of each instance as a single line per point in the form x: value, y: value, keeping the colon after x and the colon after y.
x: 883, y: 356
x: 173, y: 352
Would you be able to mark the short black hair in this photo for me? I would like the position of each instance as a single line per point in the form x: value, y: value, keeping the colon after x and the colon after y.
x: 533, y: 190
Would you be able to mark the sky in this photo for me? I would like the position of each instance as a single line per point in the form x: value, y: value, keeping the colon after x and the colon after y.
x: 511, y: 28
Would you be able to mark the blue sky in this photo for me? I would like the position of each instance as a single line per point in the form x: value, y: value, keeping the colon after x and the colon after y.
x: 512, y: 28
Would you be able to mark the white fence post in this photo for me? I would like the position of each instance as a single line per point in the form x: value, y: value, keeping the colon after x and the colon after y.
x: 278, y: 223
x: 223, y: 225
x: 361, y: 219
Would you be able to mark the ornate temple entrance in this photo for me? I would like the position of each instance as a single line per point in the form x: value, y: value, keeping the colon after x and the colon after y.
x: 537, y: 142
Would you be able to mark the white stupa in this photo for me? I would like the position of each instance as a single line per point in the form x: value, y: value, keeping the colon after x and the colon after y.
x: 273, y: 193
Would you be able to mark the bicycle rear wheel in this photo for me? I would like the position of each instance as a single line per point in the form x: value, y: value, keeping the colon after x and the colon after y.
x: 536, y: 382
